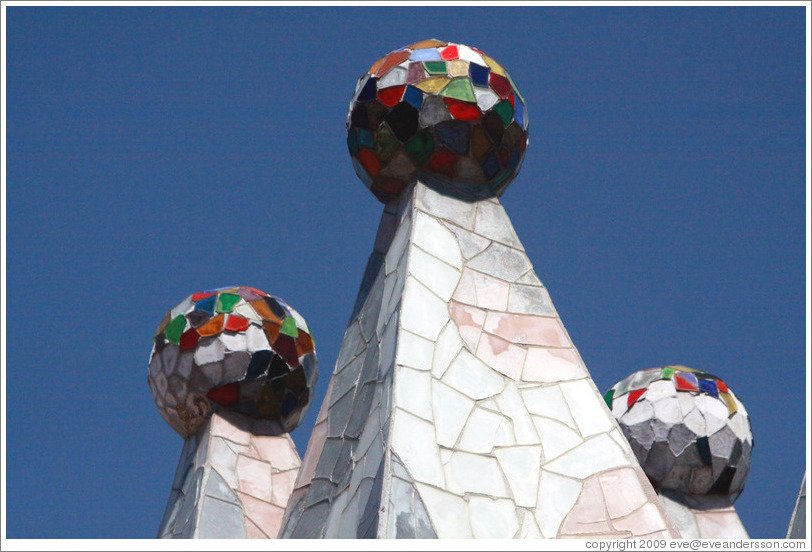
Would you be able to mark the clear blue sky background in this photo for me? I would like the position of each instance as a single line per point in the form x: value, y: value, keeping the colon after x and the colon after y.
x: 155, y: 152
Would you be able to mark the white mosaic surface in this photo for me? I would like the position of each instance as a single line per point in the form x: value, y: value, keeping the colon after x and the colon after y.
x: 458, y: 406
x: 231, y: 482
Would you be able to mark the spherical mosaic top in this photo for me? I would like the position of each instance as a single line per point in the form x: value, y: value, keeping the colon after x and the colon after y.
x: 235, y: 348
x: 440, y: 109
x: 687, y: 428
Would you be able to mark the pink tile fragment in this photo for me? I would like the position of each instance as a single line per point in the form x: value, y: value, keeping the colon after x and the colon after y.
x: 623, y: 492
x: 254, y: 477
x: 278, y: 450
x: 502, y: 356
x: 224, y: 425
x: 283, y: 483
x: 527, y: 329
x: 469, y: 321
x: 266, y: 517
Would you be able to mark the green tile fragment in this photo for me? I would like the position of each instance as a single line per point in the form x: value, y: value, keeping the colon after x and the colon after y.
x: 175, y: 329
x: 435, y: 67
x: 461, y: 89
x: 226, y: 302
x: 289, y: 327
x: 421, y: 146
x: 608, y: 396
x: 667, y: 373
x: 505, y: 111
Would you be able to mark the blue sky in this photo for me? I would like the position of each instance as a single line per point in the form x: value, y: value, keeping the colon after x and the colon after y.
x: 156, y: 152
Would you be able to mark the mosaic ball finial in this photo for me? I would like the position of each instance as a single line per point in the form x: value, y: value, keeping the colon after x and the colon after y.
x: 237, y: 349
x: 690, y: 433
x: 436, y: 109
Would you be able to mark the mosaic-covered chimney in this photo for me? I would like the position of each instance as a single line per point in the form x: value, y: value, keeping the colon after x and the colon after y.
x: 692, y: 437
x: 232, y: 370
x: 458, y: 406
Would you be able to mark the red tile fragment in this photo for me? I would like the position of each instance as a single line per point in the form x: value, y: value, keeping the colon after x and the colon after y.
x: 500, y: 85
x: 442, y: 162
x: 285, y: 347
x: 226, y: 394
x: 633, y: 396
x: 722, y: 386
x: 391, y: 95
x: 189, y: 339
x: 683, y: 384
x: 198, y: 296
x: 236, y: 323
x: 450, y: 54
x: 465, y: 111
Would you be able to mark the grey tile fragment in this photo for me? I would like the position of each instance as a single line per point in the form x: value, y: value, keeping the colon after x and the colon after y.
x: 374, y: 265
x: 493, y: 223
x: 185, y: 523
x: 501, y: 261
x: 361, y: 410
x: 217, y: 487
x: 368, y: 527
x: 401, y: 524
x: 370, y: 369
x: 293, y: 515
x: 220, y: 520
x: 444, y: 207
x: 679, y: 438
x: 170, y: 514
x: 343, y: 463
x: 328, y: 458
x: 351, y: 347
x: 320, y: 489
x: 524, y: 299
x: 311, y: 524
x: 340, y: 412
x: 797, y: 523
x: 369, y: 317
x: 470, y: 244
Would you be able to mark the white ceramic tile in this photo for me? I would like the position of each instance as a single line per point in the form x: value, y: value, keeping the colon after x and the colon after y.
x: 552, y: 365
x: 483, y: 431
x: 547, y: 402
x: 394, y: 77
x: 422, y: 312
x: 436, y: 239
x: 694, y: 421
x: 448, y: 513
x: 491, y: 293
x: 529, y: 529
x: 474, y: 473
x: 413, y: 441
x: 436, y: 275
x: 472, y: 377
x: 468, y: 54
x: 520, y: 465
x: 666, y: 409
x: 413, y: 391
x: 659, y: 389
x: 587, y: 407
x: 485, y: 98
x: 510, y: 403
x: 446, y: 347
x: 233, y: 341
x: 255, y: 339
x: 501, y: 261
x: 445, y: 207
x: 556, y: 438
x: 639, y: 412
x: 493, y: 518
x: 592, y: 456
x: 182, y: 308
x: 451, y: 410
x: 556, y: 497
x: 415, y: 351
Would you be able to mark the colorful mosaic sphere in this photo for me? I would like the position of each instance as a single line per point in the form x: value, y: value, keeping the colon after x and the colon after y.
x: 688, y: 430
x: 437, y: 109
x: 235, y: 348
